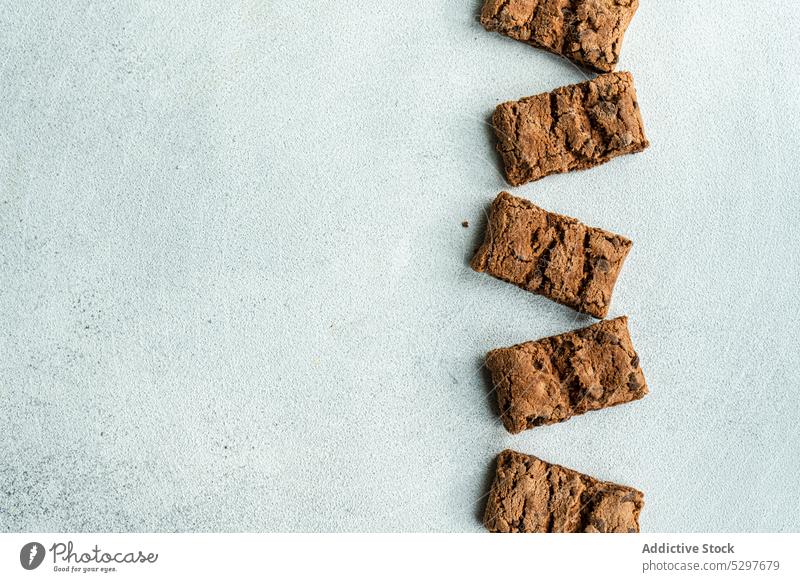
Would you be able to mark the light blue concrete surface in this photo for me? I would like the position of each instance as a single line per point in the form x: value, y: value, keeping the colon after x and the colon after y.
x: 234, y: 291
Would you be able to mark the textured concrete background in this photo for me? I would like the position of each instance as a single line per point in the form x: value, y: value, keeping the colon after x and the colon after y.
x: 235, y: 292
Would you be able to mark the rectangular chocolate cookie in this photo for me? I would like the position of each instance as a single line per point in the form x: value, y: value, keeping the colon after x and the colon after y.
x: 572, y: 128
x: 551, y: 254
x: 530, y: 495
x: 588, y: 32
x: 555, y: 378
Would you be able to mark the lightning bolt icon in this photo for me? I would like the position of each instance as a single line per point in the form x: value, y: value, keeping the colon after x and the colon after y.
x: 34, y: 551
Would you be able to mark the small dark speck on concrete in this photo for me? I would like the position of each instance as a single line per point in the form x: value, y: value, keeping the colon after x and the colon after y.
x: 465, y: 224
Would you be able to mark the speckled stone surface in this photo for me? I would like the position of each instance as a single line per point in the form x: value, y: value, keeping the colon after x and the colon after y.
x: 234, y: 285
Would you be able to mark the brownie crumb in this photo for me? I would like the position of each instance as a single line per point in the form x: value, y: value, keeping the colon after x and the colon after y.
x: 465, y: 224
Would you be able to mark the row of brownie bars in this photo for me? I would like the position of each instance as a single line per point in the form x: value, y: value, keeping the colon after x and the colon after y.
x: 552, y: 379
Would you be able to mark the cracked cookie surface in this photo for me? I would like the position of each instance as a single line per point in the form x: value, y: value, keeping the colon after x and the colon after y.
x: 571, y: 128
x: 551, y: 254
x: 588, y: 32
x: 530, y: 495
x: 553, y: 379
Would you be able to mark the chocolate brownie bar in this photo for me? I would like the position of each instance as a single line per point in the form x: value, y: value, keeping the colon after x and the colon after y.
x: 572, y: 128
x: 588, y: 32
x: 530, y: 495
x: 553, y: 379
x: 551, y: 254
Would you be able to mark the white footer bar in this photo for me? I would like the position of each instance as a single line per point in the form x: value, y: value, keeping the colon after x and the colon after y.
x: 120, y: 557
